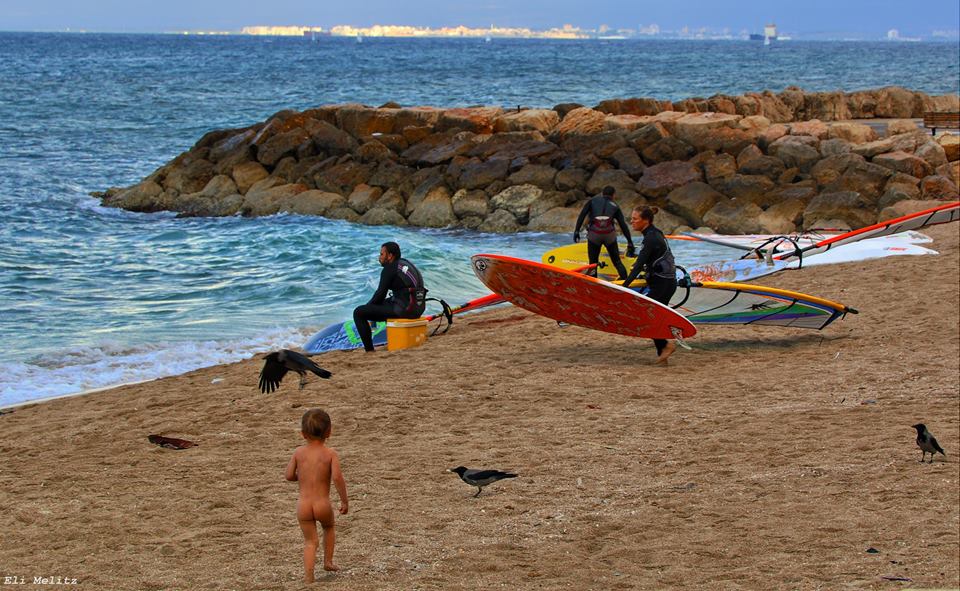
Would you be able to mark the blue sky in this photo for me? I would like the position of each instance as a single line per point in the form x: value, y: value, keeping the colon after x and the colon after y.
x: 874, y: 17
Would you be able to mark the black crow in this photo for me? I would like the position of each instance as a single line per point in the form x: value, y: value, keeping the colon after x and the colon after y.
x: 927, y: 442
x: 278, y: 363
x: 480, y: 478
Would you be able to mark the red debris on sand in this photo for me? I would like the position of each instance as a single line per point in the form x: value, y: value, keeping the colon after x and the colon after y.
x: 170, y: 442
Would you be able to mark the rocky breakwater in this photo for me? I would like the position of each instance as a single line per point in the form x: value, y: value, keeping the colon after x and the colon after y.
x: 493, y: 170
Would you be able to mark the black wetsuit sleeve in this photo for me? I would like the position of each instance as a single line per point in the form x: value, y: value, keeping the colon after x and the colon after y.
x: 652, y: 243
x: 583, y: 215
x: 623, y: 225
x: 387, y: 275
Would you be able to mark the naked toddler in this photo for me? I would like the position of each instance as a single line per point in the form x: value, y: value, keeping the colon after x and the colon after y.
x: 314, y: 465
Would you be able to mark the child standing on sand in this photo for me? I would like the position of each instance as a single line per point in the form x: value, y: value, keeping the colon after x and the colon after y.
x: 314, y: 465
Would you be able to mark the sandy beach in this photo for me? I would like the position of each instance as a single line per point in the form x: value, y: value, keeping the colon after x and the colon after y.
x: 765, y: 458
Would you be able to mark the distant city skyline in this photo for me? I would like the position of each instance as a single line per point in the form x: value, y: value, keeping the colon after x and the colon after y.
x: 810, y: 19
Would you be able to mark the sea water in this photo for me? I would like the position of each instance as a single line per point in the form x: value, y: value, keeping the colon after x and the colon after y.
x: 92, y: 297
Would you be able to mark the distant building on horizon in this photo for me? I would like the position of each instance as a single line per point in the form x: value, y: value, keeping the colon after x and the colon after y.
x: 769, y: 32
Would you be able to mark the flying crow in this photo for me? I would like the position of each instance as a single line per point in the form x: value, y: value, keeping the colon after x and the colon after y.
x: 927, y: 442
x: 278, y: 363
x: 480, y: 478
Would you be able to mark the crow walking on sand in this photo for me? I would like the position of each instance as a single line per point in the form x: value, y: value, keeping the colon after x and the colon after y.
x: 927, y: 442
x: 278, y: 363
x: 480, y: 478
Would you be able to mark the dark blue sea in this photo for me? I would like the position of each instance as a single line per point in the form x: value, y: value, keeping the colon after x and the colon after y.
x: 91, y: 297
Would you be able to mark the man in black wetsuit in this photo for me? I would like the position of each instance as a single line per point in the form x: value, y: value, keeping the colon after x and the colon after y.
x: 655, y: 260
x: 603, y: 212
x: 407, y: 298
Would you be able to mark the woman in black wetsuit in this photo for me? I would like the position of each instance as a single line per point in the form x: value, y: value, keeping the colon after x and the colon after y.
x: 407, y: 298
x: 655, y: 260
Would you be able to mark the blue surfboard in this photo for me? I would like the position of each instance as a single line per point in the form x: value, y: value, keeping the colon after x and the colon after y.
x: 343, y: 336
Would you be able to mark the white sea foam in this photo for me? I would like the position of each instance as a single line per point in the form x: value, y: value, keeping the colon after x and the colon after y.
x: 89, y: 368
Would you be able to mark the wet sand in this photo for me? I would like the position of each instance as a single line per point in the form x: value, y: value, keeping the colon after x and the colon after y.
x: 766, y: 458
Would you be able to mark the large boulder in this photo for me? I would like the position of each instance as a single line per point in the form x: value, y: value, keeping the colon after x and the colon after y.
x: 280, y: 145
x: 379, y: 216
x: 907, y: 207
x: 647, y: 135
x: 478, y: 174
x: 343, y: 177
x: 720, y: 167
x: 272, y: 200
x: 867, y: 179
x: 938, y: 187
x: 731, y: 216
x: 557, y: 219
x: 628, y: 161
x: 601, y: 145
x: 898, y: 126
x: 392, y: 199
x: 692, y: 201
x: 543, y: 120
x: 834, y: 146
x: 658, y: 180
x: 571, y: 178
x: 624, y: 122
x: 933, y: 153
x: 813, y: 127
x: 615, y: 178
x: 219, y: 187
x: 896, y: 192
x: 904, y: 162
x: 832, y: 167
x: 826, y: 106
x: 848, y: 206
x: 795, y: 151
x: 951, y: 146
x: 541, y: 175
x: 330, y: 139
x: 363, y: 198
x: 767, y: 166
x: 435, y: 211
x: 668, y: 148
x: 143, y: 197
x: 374, y: 151
x: 188, y: 175
x: 470, y: 203
x: 313, y: 202
x: 712, y: 131
x: 500, y: 221
x: 359, y: 120
x: 517, y: 200
x: 458, y: 145
x: 747, y: 187
x: 432, y: 185
x: 782, y: 217
x: 894, y: 102
x: 583, y: 120
x: 474, y: 119
x: 855, y: 133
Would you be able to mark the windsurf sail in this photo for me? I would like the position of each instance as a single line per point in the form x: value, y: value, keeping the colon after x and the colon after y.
x: 712, y: 302
x: 949, y: 212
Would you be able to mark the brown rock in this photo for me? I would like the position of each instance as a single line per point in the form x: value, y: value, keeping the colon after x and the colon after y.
x: 951, y: 170
x: 847, y: 206
x: 543, y: 120
x: 328, y: 138
x: 782, y: 217
x: 473, y: 119
x: 431, y: 185
x: 734, y: 217
x: 564, y: 108
x: 774, y: 108
x: 903, y: 162
x: 832, y: 167
x: 898, y: 126
x: 500, y: 221
x: 389, y: 174
x: 624, y: 123
x: 866, y: 178
x: 571, y: 178
x: 548, y: 201
x: 826, y: 106
x: 601, y: 145
x: 710, y: 131
x: 435, y: 211
x: 938, y: 187
x: 343, y: 177
x: 413, y: 134
x: 633, y: 106
x: 894, y: 102
x: 721, y: 167
x: 755, y: 124
x: 582, y: 121
x: 835, y: 146
x: 311, y: 202
x: 767, y: 166
x: 358, y: 120
x: 658, y: 180
x: 618, y: 179
x: 669, y: 148
x: 862, y: 104
x: 814, y: 128
x: 517, y: 200
x: 771, y: 134
x: 239, y: 141
x: 383, y: 217
x: 189, y: 176
x: 143, y: 197
x: 540, y: 175
x: 363, y: 198
x: 788, y: 176
x: 557, y: 219
x: 270, y: 201
x: 933, y: 153
x: 481, y: 174
x: 647, y: 135
x: 219, y: 187
x: 951, y: 146
x: 856, y: 133
x: 796, y: 151
x: 692, y: 201
x: 393, y: 200
x: 343, y: 213
x: 374, y: 151
x: 456, y: 146
x: 470, y: 203
x: 907, y: 207
x: 248, y: 173
x: 628, y: 161
x: 896, y: 192
x: 742, y: 187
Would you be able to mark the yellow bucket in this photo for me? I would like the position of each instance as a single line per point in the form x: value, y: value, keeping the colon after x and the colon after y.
x: 404, y: 333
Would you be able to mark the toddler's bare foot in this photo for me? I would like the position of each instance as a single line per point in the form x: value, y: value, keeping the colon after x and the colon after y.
x: 330, y: 566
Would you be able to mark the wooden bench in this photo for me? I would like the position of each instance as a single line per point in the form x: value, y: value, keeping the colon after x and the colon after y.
x: 943, y: 120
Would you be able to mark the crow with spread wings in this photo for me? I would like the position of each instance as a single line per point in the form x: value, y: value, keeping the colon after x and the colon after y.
x: 278, y: 363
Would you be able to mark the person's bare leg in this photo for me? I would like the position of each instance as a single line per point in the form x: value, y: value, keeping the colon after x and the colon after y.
x: 666, y: 353
x: 329, y: 539
x: 310, y: 543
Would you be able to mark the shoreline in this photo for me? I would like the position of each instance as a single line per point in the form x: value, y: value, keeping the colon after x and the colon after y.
x: 644, y: 477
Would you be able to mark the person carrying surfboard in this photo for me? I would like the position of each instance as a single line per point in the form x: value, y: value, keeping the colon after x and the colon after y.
x: 407, y: 294
x: 655, y: 260
x: 602, y: 211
